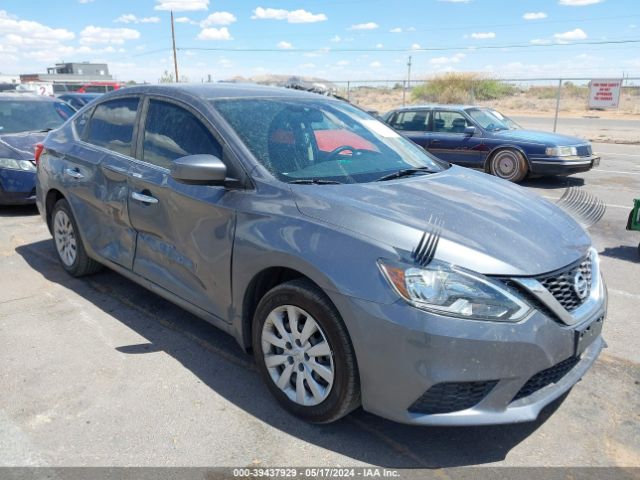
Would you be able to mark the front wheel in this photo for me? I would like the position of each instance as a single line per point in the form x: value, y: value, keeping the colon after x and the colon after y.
x: 69, y: 246
x: 509, y: 165
x: 304, y: 353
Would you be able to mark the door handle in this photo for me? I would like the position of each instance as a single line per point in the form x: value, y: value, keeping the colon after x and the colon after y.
x: 73, y: 173
x: 141, y: 197
x: 435, y: 142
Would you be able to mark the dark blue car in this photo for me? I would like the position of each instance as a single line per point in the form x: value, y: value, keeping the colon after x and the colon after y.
x: 78, y: 100
x: 24, y: 121
x: 483, y: 138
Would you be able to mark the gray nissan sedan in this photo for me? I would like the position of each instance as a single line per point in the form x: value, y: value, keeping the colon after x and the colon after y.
x: 358, y: 268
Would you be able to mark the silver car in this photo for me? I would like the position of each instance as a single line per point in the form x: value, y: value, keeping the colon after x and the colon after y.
x: 358, y: 269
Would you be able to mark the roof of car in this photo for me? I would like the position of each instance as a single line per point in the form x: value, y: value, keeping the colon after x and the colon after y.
x: 27, y: 96
x: 437, y: 105
x: 219, y: 90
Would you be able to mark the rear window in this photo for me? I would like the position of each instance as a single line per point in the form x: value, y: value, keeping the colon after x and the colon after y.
x: 32, y: 115
x: 111, y: 125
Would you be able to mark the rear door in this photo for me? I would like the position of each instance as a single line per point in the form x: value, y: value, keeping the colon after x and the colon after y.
x: 413, y: 124
x: 184, y: 232
x: 450, y: 142
x: 94, y: 175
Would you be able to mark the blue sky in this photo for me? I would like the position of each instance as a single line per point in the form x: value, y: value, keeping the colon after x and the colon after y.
x: 332, y: 39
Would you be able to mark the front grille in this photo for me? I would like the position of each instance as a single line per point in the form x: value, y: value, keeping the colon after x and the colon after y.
x: 452, y: 397
x: 584, y: 150
x: 562, y: 285
x: 546, y: 377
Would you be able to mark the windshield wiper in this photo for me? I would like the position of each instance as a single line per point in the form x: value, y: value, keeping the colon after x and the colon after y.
x: 314, y: 181
x: 405, y: 172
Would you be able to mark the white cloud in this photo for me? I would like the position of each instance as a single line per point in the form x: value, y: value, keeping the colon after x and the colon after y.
x: 116, y: 36
x: 396, y: 30
x: 336, y: 39
x: 579, y: 3
x: 540, y: 41
x: 411, y: 29
x: 182, y: 5
x: 455, y: 1
x: 379, y: 45
x: 483, y: 35
x: 364, y: 26
x: 534, y: 15
x: 131, y: 18
x: 308, y: 65
x: 215, y: 34
x: 577, y: 34
x: 184, y: 20
x: 219, y: 18
x: 342, y: 63
x: 85, y: 1
x: 447, y: 60
x: 291, y: 16
x: 375, y: 64
x: 285, y: 45
x: 416, y: 46
x: 32, y: 30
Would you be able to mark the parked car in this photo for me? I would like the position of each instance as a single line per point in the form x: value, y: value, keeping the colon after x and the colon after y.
x: 78, y: 100
x: 370, y: 274
x: 24, y: 120
x: 483, y: 138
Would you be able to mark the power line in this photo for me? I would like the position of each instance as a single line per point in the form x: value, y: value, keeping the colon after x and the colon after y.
x: 421, y: 49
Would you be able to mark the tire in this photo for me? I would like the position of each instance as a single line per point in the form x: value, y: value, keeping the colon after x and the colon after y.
x: 68, y: 244
x: 509, y: 164
x: 328, y: 400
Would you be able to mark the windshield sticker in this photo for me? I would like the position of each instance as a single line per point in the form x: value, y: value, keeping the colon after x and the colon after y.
x: 380, y: 128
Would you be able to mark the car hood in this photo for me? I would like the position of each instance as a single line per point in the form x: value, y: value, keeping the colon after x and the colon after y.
x: 20, y: 146
x: 534, y: 136
x: 490, y: 226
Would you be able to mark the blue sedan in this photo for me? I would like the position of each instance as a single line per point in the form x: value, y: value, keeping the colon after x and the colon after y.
x: 483, y: 138
x: 25, y: 120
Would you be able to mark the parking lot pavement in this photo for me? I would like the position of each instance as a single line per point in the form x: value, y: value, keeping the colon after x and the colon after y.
x: 99, y: 371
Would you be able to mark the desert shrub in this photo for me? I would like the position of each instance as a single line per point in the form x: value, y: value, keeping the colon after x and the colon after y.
x: 461, y: 88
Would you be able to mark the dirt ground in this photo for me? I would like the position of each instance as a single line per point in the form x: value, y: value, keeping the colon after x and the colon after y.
x: 522, y: 104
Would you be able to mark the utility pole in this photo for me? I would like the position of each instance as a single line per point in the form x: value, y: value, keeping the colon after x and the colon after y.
x: 404, y: 90
x: 175, y: 57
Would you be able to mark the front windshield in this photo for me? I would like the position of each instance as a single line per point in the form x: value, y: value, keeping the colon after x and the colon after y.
x: 23, y: 115
x: 321, y: 140
x: 492, y: 120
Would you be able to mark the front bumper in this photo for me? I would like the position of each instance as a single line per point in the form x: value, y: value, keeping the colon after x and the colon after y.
x: 403, y: 352
x: 563, y: 165
x: 17, y: 187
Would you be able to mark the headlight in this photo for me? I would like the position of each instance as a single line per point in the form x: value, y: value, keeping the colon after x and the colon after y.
x: 12, y: 164
x: 449, y: 290
x: 561, y: 151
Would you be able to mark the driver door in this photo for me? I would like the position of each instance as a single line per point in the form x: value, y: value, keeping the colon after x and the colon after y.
x: 450, y: 142
x: 184, y: 232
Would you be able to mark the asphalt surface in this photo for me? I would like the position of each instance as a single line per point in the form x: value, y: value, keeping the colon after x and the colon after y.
x: 100, y: 372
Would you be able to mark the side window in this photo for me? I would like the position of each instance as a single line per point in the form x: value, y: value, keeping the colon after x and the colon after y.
x: 449, y: 122
x: 81, y: 122
x: 172, y: 132
x: 111, y: 125
x: 412, y: 120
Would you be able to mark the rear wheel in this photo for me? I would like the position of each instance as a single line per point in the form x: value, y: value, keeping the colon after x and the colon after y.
x: 304, y: 353
x: 69, y: 246
x: 509, y: 165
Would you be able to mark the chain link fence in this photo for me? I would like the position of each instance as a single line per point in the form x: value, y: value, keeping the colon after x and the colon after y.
x: 529, y: 97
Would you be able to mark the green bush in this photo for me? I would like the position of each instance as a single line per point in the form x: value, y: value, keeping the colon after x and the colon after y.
x: 461, y: 88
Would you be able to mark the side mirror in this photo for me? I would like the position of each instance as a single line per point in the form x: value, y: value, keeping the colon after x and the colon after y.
x: 470, y: 131
x: 199, y: 170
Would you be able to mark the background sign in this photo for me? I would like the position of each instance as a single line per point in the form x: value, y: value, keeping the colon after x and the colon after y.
x: 604, y: 93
